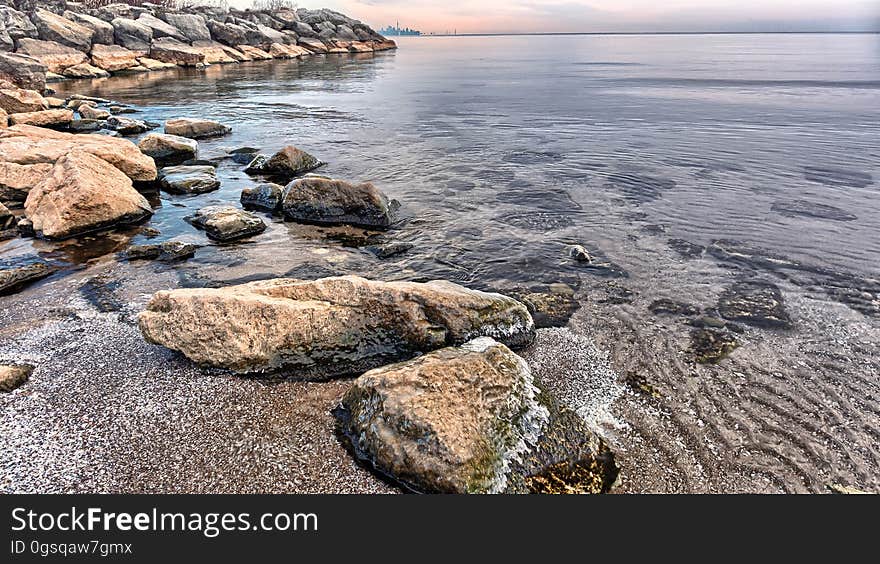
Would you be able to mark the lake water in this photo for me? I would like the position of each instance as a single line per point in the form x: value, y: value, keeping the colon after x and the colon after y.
x: 685, y: 164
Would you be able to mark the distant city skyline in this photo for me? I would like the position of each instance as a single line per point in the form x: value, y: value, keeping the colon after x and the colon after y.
x: 541, y: 16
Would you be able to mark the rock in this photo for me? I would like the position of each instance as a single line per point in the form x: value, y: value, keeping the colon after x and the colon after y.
x: 282, y: 51
x: 88, y: 111
x: 170, y: 50
x: 243, y: 155
x: 26, y: 227
x: 102, y: 32
x: 55, y: 77
x: 758, y: 304
x: 18, y: 273
x: 189, y: 179
x: 168, y: 149
x: 55, y: 56
x: 214, y: 53
x: 804, y: 208
x: 16, y: 180
x: 19, y: 100
x: 52, y: 27
x: 227, y: 33
x: 327, y: 328
x: 192, y: 26
x: 169, y: 251
x: 313, y: 44
x: 84, y: 125
x: 286, y: 163
x: 117, y: 110
x: 83, y: 193
x: 226, y: 223
x: 113, y: 58
x: 28, y: 145
x: 262, y: 197
x: 469, y: 419
x: 7, y: 220
x: 671, y: 307
x: 132, y: 35
x: 110, y: 12
x: 85, y: 70
x: 579, y: 253
x: 75, y: 104
x: 711, y: 346
x: 160, y: 28
x: 548, y: 309
x: 154, y: 65
x: 16, y: 24
x: 127, y: 126
x: 14, y: 375
x: 389, y: 250
x: 195, y: 128
x: 332, y: 202
x: 54, y: 102
x: 254, y: 53
x: 23, y: 71
x: 4, y: 119
x: 45, y: 118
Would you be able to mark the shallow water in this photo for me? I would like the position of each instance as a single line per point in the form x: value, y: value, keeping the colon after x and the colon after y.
x: 644, y: 149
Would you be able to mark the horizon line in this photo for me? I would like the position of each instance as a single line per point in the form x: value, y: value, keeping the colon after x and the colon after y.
x: 535, y: 33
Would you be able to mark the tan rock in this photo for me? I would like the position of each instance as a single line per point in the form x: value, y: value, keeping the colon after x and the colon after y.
x: 23, y: 71
x: 83, y: 193
x: 85, y: 70
x: 386, y: 45
x: 170, y: 50
x: 154, y: 65
x: 4, y: 119
x: 113, y: 58
x: 283, y: 51
x: 360, y: 47
x: 27, y: 145
x: 55, y: 56
x: 44, y: 118
x: 14, y: 375
x: 195, y: 128
x: 329, y: 327
x: 215, y: 53
x: 236, y: 54
x: 87, y: 111
x: 168, y: 149
x: 17, y: 100
x: 16, y: 180
x: 54, y: 102
x: 255, y: 53
x: 313, y: 44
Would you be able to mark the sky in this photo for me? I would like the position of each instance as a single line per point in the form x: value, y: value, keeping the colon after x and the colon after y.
x: 517, y: 16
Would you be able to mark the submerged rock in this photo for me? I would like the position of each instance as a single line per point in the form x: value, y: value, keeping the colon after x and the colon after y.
x: 262, y: 197
x: 244, y: 155
x: 226, y: 223
x: 14, y: 375
x: 804, y: 208
x: 754, y: 303
x: 196, y: 128
x: 710, y: 346
x: 579, y: 253
x: 671, y: 307
x: 83, y: 193
x: 549, y: 309
x: 327, y: 328
x: 168, y: 149
x: 186, y: 179
x: 17, y: 273
x: 471, y: 419
x: 286, y: 163
x: 389, y: 250
x: 333, y: 202
x: 169, y: 251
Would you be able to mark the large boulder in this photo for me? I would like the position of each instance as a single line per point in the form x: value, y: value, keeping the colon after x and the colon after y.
x: 132, y: 35
x: 83, y: 193
x: 215, y: 53
x: 313, y: 44
x: 192, y: 26
x: 170, y: 50
x: 28, y: 145
x: 160, y: 28
x: 16, y: 180
x: 85, y: 70
x: 228, y: 33
x: 327, y: 328
x: 333, y: 202
x: 53, y: 27
x: 23, y: 71
x: 471, y: 419
x: 55, y: 56
x: 226, y: 223
x: 286, y: 163
x: 102, y: 32
x: 196, y: 128
x: 168, y: 149
x: 113, y: 58
x: 16, y: 24
x: 112, y: 11
x: 189, y: 179
x: 44, y: 118
x: 15, y: 100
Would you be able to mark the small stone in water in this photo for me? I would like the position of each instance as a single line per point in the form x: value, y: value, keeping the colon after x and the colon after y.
x: 579, y: 253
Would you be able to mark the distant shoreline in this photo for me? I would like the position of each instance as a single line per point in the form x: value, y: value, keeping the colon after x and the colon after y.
x: 563, y: 33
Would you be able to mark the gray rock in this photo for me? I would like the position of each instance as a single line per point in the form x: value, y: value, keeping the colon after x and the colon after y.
x: 132, y: 35
x: 759, y: 304
x: 579, y: 253
x: 192, y: 26
x: 226, y: 223
x: 160, y: 28
x: 262, y: 197
x: 243, y: 155
x: 102, y: 31
x: 228, y: 33
x: 389, y: 250
x: 169, y: 251
x: 168, y: 149
x: 23, y: 71
x: 333, y: 202
x: 286, y: 163
x: 127, y: 126
x: 188, y: 179
x: 18, y: 273
x: 16, y: 24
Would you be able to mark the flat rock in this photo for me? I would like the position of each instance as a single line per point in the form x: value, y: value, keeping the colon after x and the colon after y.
x: 196, y: 128
x: 55, y: 56
x: 187, y: 179
x: 83, y: 193
x: 171, y: 50
x: 85, y: 125
x: 169, y: 251
x: 333, y: 202
x: 804, y: 208
x: 85, y: 70
x: 113, y: 58
x: 168, y: 149
x: 286, y: 163
x: 262, y: 197
x: 226, y: 223
x: 18, y: 273
x: 16, y: 180
x: 329, y: 327
x: 14, y: 375
x: 154, y: 65
x: 19, y: 100
x: 255, y: 53
x: 23, y: 71
x: 45, y: 118
x: 759, y: 304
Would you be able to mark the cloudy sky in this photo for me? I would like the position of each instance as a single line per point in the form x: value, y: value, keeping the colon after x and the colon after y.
x: 500, y: 16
